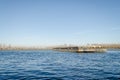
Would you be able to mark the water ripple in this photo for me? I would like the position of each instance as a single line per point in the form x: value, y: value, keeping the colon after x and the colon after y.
x: 52, y: 65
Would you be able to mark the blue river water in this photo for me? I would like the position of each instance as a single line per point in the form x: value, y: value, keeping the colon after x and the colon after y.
x: 53, y: 65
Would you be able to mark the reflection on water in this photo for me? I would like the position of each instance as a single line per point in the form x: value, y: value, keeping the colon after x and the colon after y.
x: 52, y: 65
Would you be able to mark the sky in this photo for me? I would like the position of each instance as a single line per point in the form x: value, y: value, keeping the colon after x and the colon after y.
x: 57, y: 22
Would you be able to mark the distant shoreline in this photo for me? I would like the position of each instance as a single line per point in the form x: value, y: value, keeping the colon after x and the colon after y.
x: 93, y: 46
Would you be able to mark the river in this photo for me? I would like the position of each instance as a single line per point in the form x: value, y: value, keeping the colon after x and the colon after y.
x: 54, y: 65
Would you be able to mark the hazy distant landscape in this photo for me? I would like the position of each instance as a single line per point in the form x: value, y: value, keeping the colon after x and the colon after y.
x: 105, y: 46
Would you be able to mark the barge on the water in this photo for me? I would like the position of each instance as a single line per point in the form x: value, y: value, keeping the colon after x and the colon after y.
x: 81, y: 49
x: 91, y: 50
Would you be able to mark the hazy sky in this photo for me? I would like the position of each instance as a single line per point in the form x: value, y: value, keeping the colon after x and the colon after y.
x: 50, y: 22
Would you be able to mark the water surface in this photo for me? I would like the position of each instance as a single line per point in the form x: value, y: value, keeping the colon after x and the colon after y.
x: 53, y: 65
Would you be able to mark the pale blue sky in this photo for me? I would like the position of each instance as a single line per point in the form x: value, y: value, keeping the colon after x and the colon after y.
x: 53, y: 22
